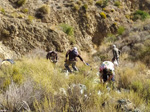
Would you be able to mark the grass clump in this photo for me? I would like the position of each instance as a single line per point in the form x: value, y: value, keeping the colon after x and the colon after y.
x: 44, y: 9
x: 21, y: 2
x: 85, y: 6
x: 102, y: 3
x: 103, y: 15
x: 117, y: 3
x: 99, y: 3
x: 121, y: 30
x: 110, y: 38
x: 139, y: 14
x: 76, y: 7
x: 69, y: 30
x: 5, y: 33
x: 3, y: 11
x: 25, y: 10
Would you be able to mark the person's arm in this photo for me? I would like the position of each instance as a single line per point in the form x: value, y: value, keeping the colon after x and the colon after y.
x: 56, y: 57
x: 82, y: 59
x: 110, y: 77
x: 47, y: 56
x: 67, y: 54
x: 101, y: 76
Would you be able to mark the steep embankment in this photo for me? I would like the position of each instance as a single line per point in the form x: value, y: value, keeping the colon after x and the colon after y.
x: 56, y: 25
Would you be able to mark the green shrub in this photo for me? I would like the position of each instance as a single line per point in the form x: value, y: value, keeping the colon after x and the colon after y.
x: 5, y: 33
x: 21, y: 2
x: 79, y: 2
x: 117, y: 3
x: 3, y: 10
x: 85, y: 6
x: 25, y: 10
x: 120, y: 30
x: 139, y: 14
x: 30, y: 19
x: 103, y: 15
x: 67, y: 29
x: 45, y: 9
x: 76, y: 7
x: 99, y: 3
x: 110, y: 38
x: 105, y: 3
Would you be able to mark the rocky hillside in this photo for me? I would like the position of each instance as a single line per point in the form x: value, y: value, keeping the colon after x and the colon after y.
x: 26, y: 25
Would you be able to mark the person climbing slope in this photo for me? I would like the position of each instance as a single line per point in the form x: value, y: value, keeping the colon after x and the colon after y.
x: 52, y: 56
x: 116, y: 54
x: 107, y: 72
x: 73, y: 54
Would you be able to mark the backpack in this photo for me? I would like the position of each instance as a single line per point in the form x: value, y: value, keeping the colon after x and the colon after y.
x: 75, y: 52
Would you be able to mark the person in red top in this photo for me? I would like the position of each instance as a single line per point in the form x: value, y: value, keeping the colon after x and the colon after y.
x: 73, y: 54
x: 52, y: 56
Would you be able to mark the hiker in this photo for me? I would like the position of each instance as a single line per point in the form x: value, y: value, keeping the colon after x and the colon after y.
x: 7, y: 62
x: 73, y: 54
x: 107, y: 72
x: 52, y: 56
x: 116, y: 54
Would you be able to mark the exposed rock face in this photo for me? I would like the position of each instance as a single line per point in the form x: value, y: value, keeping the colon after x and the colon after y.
x: 22, y: 31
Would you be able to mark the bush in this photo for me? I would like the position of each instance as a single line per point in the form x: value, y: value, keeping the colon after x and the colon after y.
x: 110, y: 38
x: 3, y: 10
x: 45, y: 9
x: 139, y: 14
x: 105, y: 3
x: 76, y: 7
x: 103, y: 15
x: 85, y: 6
x: 99, y: 3
x: 5, y: 33
x: 25, y: 10
x: 120, y: 30
x: 102, y: 3
x: 117, y: 3
x: 42, y: 11
x: 21, y: 2
x: 67, y: 29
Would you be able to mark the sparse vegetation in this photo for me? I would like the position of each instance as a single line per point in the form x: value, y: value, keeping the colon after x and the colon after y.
x: 76, y: 7
x: 102, y: 3
x: 24, y: 10
x: 2, y: 10
x: 42, y: 11
x: 117, y: 3
x: 85, y: 6
x: 67, y: 29
x: 21, y: 2
x: 110, y: 38
x: 120, y: 30
x: 30, y: 19
x: 99, y: 3
x: 103, y: 15
x: 5, y: 33
x: 139, y: 14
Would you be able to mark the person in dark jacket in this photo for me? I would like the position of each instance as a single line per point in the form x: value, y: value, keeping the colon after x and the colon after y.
x: 52, y: 56
x: 73, y: 54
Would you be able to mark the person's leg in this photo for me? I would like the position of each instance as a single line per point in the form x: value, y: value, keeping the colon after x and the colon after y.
x: 67, y: 63
x: 117, y: 60
x: 74, y: 66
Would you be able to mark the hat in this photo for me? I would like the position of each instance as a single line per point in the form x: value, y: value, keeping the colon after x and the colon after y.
x: 114, y: 46
x: 75, y: 48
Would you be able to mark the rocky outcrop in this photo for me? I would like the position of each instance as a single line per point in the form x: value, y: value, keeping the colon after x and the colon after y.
x: 22, y: 30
